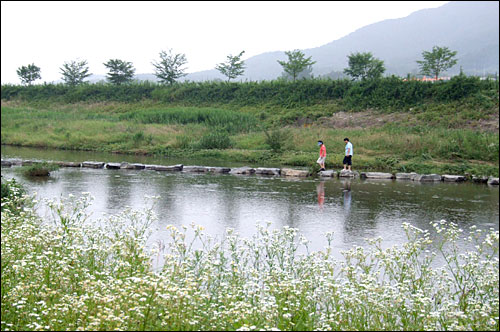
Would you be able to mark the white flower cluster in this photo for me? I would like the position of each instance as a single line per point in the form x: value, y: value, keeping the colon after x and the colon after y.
x: 63, y: 274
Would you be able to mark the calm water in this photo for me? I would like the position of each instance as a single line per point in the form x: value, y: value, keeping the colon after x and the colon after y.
x: 353, y: 209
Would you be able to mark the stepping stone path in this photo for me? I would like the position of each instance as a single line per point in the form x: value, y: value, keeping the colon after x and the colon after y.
x: 287, y: 172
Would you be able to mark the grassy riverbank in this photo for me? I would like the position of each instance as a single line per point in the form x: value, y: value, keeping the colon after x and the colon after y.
x: 64, y: 273
x: 440, y: 138
x: 395, y: 125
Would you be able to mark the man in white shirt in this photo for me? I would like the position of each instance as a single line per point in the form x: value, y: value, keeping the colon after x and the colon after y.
x: 348, y: 154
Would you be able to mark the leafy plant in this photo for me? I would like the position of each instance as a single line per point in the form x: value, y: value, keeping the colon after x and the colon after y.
x: 218, y: 139
x: 74, y: 72
x: 40, y: 169
x: 169, y: 68
x: 277, y: 139
x: 29, y: 73
x: 233, y: 68
x: 120, y: 72
x: 297, y: 63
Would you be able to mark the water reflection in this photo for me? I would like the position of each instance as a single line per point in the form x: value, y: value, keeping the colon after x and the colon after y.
x: 347, y: 198
x: 353, y: 209
x: 320, y: 189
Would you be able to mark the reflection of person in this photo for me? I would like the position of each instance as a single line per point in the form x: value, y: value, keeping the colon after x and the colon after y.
x: 320, y: 189
x: 322, y: 155
x: 347, y: 196
x: 348, y: 154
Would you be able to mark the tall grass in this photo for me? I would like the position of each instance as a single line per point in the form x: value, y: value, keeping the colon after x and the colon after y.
x: 64, y: 273
x: 230, y: 121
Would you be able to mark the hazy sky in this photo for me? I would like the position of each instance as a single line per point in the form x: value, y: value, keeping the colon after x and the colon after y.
x: 49, y: 33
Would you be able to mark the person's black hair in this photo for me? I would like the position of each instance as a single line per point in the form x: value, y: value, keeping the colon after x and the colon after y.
x: 346, y: 139
x: 320, y: 141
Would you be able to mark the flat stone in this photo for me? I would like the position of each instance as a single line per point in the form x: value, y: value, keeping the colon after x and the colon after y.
x: 93, y: 164
x: 428, y: 178
x: 126, y: 165
x: 16, y: 162
x: 195, y: 169
x: 493, y: 181
x: 294, y: 172
x: 348, y: 174
x: 219, y: 170
x: 68, y: 164
x: 113, y: 165
x: 480, y: 179
x: 172, y: 168
x: 29, y: 162
x: 375, y: 175
x: 454, y: 178
x: 406, y: 176
x: 243, y: 170
x: 6, y: 163
x: 327, y: 174
x: 267, y: 171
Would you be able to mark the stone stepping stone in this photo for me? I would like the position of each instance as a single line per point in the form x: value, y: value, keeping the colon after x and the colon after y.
x: 126, y: 165
x: 93, y: 164
x: 493, y: 181
x: 113, y: 165
x: 327, y: 174
x: 219, y: 170
x: 68, y: 164
x: 268, y: 171
x: 376, y: 175
x: 171, y: 168
x: 406, y: 176
x: 428, y: 178
x: 243, y: 170
x: 348, y: 174
x: 294, y: 172
x: 195, y: 169
x: 454, y: 178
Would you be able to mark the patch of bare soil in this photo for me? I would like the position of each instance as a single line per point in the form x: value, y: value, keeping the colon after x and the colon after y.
x: 370, y: 119
x: 360, y: 120
x: 490, y: 125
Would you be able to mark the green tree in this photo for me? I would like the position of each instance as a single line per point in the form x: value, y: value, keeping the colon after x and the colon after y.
x: 120, y: 72
x: 364, y: 66
x: 29, y: 73
x: 296, y: 64
x: 437, y: 61
x: 168, y: 69
x: 233, y: 67
x: 74, y: 72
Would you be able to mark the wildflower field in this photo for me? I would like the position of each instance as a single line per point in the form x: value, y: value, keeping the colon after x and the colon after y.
x: 65, y: 272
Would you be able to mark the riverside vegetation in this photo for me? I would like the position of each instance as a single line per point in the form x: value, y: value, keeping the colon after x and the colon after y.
x: 63, y: 272
x: 448, y: 127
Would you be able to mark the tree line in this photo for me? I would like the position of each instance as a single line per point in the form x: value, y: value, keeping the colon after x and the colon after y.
x: 169, y: 68
x: 384, y: 93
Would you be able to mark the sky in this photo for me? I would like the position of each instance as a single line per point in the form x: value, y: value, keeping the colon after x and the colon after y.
x: 50, y: 33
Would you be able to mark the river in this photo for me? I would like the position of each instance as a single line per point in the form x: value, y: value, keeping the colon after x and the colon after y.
x: 353, y: 209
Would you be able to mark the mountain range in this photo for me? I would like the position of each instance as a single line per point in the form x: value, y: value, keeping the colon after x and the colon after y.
x: 469, y: 27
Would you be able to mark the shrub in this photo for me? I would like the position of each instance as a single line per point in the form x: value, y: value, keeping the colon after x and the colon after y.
x: 218, y: 139
x: 277, y: 138
x: 12, y: 195
x: 40, y: 169
x: 390, y: 92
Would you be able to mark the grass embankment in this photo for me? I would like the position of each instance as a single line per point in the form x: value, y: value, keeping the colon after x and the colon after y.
x: 62, y: 273
x: 395, y: 125
x: 439, y: 137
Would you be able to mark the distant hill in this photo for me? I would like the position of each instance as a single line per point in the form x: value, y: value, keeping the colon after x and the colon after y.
x: 469, y: 27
